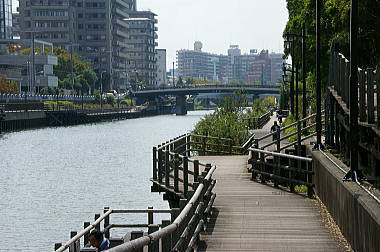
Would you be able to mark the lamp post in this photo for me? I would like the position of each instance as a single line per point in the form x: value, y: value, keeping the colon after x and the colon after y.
x: 354, y: 127
x: 291, y: 43
x: 318, y: 75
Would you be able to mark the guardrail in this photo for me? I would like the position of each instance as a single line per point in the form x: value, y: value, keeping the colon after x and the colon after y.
x: 205, y: 86
x: 12, y: 98
x: 305, y: 130
x: 368, y: 87
x: 282, y: 169
x: 74, y: 243
x: 258, y: 122
x: 338, y: 105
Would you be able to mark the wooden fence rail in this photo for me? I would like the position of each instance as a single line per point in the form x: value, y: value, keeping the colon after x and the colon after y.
x: 338, y: 114
x: 282, y: 169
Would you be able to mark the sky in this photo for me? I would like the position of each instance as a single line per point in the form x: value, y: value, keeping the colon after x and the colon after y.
x: 251, y: 24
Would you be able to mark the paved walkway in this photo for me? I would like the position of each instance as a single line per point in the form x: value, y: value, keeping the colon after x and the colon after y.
x: 256, y: 217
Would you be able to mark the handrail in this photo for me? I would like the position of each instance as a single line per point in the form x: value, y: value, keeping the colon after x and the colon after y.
x: 83, y: 232
x: 278, y: 154
x: 102, y: 217
x: 146, y: 240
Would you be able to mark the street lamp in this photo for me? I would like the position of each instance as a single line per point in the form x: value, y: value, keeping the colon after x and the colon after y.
x: 291, y: 44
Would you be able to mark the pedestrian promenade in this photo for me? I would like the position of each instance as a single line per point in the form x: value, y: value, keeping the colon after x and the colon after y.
x: 250, y: 216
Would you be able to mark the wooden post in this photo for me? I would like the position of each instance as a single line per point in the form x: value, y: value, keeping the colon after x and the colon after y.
x: 166, y: 240
x: 154, y: 163
x: 135, y: 235
x: 160, y: 165
x: 185, y: 161
x: 204, y: 146
x: 262, y: 168
x: 291, y: 174
x: 176, y: 174
x: 150, y: 216
x: 85, y: 237
x: 57, y: 246
x: 175, y: 235
x: 207, y: 169
x: 97, y: 216
x: 370, y: 97
x: 75, y: 246
x: 188, y: 145
x: 196, y: 170
x: 278, y: 133
x: 230, y: 146
x: 181, y: 228
x: 106, y: 223
x: 310, y: 190
x: 167, y: 169
x: 155, y: 246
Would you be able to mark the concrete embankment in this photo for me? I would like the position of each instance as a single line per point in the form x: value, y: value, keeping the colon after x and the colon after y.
x: 355, y: 211
x: 36, y: 119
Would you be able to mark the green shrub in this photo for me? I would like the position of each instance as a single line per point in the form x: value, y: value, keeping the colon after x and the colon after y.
x: 127, y: 102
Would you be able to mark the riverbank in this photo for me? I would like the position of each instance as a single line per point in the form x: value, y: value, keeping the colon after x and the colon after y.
x: 27, y: 119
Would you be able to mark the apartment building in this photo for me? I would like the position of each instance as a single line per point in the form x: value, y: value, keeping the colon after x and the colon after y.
x: 201, y: 65
x: 95, y: 29
x: 161, y: 66
x: 6, y: 19
x: 141, y: 53
x: 253, y: 68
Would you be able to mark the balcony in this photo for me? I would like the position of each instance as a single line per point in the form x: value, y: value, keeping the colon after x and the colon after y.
x: 121, y: 12
x: 121, y: 33
x: 120, y: 22
x: 122, y: 3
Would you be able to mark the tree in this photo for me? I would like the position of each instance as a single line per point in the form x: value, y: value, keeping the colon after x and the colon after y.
x: 189, y: 81
x: 71, y: 68
x: 7, y: 86
x: 180, y: 81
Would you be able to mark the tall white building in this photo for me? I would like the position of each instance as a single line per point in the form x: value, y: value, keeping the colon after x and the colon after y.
x: 161, y: 66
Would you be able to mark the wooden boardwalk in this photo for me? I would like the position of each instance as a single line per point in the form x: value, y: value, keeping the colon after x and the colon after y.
x: 250, y: 216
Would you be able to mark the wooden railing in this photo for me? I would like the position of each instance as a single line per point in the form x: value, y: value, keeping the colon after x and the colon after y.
x: 103, y: 223
x: 338, y: 105
x: 305, y: 130
x: 258, y: 122
x: 282, y: 169
x: 368, y: 87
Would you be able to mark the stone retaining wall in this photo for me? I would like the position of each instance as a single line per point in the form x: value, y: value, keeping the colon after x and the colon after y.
x: 355, y: 212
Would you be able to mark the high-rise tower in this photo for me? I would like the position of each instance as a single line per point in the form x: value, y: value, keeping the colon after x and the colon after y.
x: 5, y: 19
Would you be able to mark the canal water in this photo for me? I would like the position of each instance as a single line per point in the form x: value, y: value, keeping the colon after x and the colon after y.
x: 54, y: 179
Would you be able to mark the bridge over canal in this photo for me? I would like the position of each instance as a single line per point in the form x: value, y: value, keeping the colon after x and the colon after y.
x: 181, y: 92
